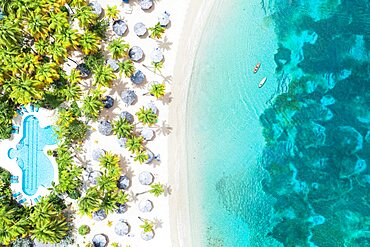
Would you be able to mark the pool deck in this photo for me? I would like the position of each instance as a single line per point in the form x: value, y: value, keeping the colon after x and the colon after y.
x: 46, y: 118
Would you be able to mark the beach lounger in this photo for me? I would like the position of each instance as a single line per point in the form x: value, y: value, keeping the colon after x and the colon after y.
x: 24, y: 109
x: 36, y: 200
x: 15, y: 195
x: 22, y: 200
x: 15, y: 129
x: 36, y: 109
x: 32, y: 108
x: 125, y: 1
x: 19, y: 112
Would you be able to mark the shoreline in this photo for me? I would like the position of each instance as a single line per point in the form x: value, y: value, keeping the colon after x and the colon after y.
x: 198, y: 13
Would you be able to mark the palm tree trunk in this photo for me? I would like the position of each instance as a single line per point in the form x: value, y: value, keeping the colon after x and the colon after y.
x: 141, y: 193
x: 72, y: 60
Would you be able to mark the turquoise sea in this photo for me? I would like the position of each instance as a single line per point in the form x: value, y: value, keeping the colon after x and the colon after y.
x: 284, y: 165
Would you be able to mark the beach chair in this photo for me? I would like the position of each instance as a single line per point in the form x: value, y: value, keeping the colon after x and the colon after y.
x: 15, y: 195
x: 15, y: 129
x: 125, y: 1
x: 14, y: 179
x: 32, y: 107
x: 24, y: 109
x: 36, y: 109
x: 19, y: 112
x: 36, y: 200
x: 21, y: 201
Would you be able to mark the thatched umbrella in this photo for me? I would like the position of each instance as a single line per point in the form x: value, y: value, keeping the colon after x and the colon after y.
x: 100, y: 240
x: 156, y: 56
x: 147, y: 235
x: 145, y: 4
x: 150, y: 157
x: 108, y: 102
x: 105, y: 128
x: 123, y: 182
x: 140, y: 29
x: 122, y: 142
x: 128, y: 97
x: 93, y: 176
x: 147, y: 133
x: 113, y: 64
x: 145, y: 206
x: 128, y: 116
x: 119, y: 27
x: 84, y: 70
x: 164, y: 19
x: 136, y: 53
x: 151, y: 106
x: 96, y: 8
x: 146, y: 178
x: 137, y: 77
x: 121, y: 228
x: 97, y: 153
x: 99, y: 215
x: 121, y: 208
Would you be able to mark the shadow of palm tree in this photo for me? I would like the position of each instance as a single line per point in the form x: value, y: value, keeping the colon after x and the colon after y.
x: 157, y: 223
x: 163, y: 129
x: 166, y: 99
x: 167, y: 190
x: 132, y: 197
x: 164, y: 44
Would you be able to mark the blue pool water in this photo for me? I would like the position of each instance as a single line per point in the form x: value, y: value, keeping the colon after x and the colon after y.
x: 285, y: 165
x: 37, y: 169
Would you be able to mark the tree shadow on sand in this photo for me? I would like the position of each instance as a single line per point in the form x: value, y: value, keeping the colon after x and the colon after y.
x: 163, y: 129
x: 164, y: 44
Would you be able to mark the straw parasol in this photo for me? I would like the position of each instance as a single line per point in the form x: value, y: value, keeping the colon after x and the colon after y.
x: 108, y: 102
x: 150, y: 157
x: 147, y: 235
x: 121, y: 228
x: 96, y: 8
x: 123, y: 182
x: 99, y: 215
x: 152, y: 106
x: 84, y: 70
x: 100, y: 240
x: 138, y: 77
x: 136, y: 53
x: 128, y: 116
x: 97, y: 153
x: 147, y: 133
x: 93, y: 176
x: 119, y: 27
x: 140, y: 29
x: 128, y: 97
x: 113, y: 64
x: 145, y: 4
x: 121, y: 208
x: 164, y: 19
x: 105, y: 128
x: 146, y: 178
x: 156, y: 56
x: 145, y: 206
x: 122, y: 142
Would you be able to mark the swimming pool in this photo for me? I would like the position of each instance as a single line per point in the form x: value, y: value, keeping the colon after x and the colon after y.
x: 36, y: 167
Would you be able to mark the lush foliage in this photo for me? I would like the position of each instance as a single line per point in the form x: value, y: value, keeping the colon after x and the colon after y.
x: 83, y: 230
x: 147, y: 116
x: 157, y: 90
x: 157, y: 31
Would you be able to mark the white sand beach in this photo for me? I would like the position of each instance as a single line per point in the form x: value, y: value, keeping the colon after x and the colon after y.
x: 196, y: 17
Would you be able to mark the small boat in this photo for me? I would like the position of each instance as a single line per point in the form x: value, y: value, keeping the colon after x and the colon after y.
x: 256, y: 67
x: 262, y: 82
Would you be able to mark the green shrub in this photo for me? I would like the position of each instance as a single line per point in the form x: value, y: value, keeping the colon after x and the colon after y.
x: 83, y: 230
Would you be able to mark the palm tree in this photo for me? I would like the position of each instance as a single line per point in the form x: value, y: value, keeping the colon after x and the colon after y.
x: 89, y: 43
x: 112, y: 12
x: 77, y: 3
x: 122, y: 128
x: 104, y: 76
x: 106, y: 183
x: 69, y: 37
x: 58, y: 22
x: 10, y: 33
x: 47, y: 73
x: 118, y: 48
x: 37, y: 25
x: 90, y: 202
x: 134, y: 144
x: 141, y: 157
x: 147, y: 116
x: 127, y: 67
x: 74, y: 76
x: 72, y: 91
x: 42, y: 46
x: 50, y: 231
x: 158, y: 90
x: 108, y: 160
x: 147, y: 225
x: 91, y: 105
x: 85, y: 16
x: 58, y: 51
x: 23, y: 90
x: 156, y: 189
x: 157, y: 67
x: 157, y: 31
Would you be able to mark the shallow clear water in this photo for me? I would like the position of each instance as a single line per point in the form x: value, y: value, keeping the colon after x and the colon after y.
x: 37, y: 169
x: 285, y: 164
